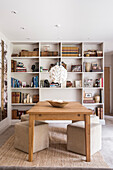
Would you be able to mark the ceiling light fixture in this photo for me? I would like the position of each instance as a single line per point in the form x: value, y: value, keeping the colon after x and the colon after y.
x: 22, y: 28
x: 14, y: 12
x: 57, y: 25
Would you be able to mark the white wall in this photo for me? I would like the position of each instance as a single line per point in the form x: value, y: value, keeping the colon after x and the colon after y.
x: 109, y: 63
x: 6, y: 122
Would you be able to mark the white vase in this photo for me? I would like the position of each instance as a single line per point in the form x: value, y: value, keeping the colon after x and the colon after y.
x: 64, y: 84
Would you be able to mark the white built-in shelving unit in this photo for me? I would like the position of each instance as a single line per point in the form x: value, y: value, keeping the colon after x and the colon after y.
x: 66, y: 94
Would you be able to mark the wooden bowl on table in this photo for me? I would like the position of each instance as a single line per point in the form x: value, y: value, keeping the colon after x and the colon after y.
x: 57, y: 103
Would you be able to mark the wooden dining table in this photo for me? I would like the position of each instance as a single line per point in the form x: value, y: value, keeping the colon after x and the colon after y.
x: 72, y: 111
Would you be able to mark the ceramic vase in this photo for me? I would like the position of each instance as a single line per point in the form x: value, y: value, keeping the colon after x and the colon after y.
x: 88, y: 66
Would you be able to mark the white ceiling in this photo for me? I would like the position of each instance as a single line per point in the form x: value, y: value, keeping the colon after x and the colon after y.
x: 79, y: 19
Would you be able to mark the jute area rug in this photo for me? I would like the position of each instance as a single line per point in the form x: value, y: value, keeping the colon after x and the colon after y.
x: 55, y: 156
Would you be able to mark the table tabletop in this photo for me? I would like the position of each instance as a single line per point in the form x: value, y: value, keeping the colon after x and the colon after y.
x: 44, y: 107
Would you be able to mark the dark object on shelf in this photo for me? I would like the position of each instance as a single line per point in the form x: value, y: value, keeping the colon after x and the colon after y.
x: 97, y: 83
x: 76, y: 68
x: 35, y: 98
x: 20, y: 113
x: 46, y: 83
x: 15, y: 114
x: 51, y: 65
x: 14, y: 55
x: 35, y: 67
x: 27, y: 85
x: 36, y: 49
x: 64, y: 65
x: 68, y: 84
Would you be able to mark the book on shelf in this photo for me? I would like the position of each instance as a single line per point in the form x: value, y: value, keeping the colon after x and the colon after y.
x: 19, y: 97
x: 88, y: 101
x: 15, y: 83
x: 13, y: 65
x: 35, y: 81
x: 88, y: 98
x: 99, y: 112
x: 70, y: 51
x: 101, y: 96
x: 21, y: 69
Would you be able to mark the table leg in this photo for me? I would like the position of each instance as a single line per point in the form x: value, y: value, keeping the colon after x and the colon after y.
x: 31, y: 137
x: 87, y: 137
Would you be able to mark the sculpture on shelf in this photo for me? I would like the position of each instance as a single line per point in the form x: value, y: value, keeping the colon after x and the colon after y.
x: 58, y: 74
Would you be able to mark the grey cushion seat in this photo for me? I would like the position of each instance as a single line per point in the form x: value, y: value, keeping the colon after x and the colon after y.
x: 41, y: 136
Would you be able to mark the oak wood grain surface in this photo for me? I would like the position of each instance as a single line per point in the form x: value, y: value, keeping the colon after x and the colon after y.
x: 71, y: 107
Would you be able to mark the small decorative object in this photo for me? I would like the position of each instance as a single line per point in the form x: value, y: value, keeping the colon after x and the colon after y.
x: 23, y: 84
x: 41, y: 83
x: 76, y: 68
x: 46, y: 48
x: 41, y: 69
x: 78, y: 83
x: 97, y: 83
x: 68, y: 84
x: 99, y: 53
x: 79, y: 55
x: 88, y: 67
x: 31, y: 84
x: 88, y: 83
x: 94, y: 66
x: 30, y: 99
x: 58, y: 74
x: 33, y: 68
x: 88, y: 94
x: 57, y: 103
x: 97, y: 99
x: 25, y: 100
x: 46, y: 83
x: 45, y: 70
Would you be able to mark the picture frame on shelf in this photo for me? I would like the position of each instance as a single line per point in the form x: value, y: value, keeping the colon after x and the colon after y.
x: 76, y: 68
x: 88, y: 94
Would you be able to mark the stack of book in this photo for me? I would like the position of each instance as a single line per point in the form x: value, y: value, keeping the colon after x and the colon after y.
x: 20, y: 67
x: 15, y: 83
x: 99, y: 112
x: 54, y: 85
x: 70, y: 50
x: 88, y: 100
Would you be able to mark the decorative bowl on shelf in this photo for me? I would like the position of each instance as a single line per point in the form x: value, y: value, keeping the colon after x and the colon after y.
x: 58, y: 103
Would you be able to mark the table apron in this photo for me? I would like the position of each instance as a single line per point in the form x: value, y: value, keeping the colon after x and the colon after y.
x: 59, y: 117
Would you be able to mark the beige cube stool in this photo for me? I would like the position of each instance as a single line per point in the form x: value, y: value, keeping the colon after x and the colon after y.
x: 76, y: 137
x: 25, y: 117
x: 41, y: 136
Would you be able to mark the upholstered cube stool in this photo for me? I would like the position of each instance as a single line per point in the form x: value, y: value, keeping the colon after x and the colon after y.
x: 25, y: 117
x: 41, y: 136
x: 76, y: 137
